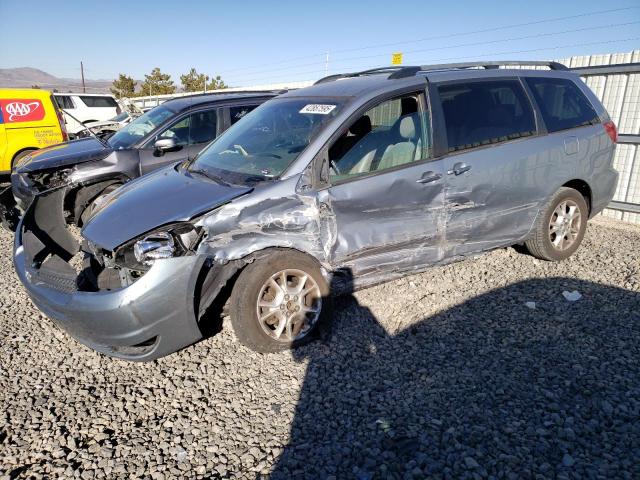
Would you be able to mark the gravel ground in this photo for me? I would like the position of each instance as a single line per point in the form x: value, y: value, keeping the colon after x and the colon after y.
x: 448, y: 374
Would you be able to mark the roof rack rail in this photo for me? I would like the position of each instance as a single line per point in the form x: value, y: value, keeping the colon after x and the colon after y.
x: 410, y: 71
x: 338, y: 76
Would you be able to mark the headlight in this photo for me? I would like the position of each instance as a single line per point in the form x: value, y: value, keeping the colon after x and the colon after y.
x: 153, y: 247
x: 170, y: 241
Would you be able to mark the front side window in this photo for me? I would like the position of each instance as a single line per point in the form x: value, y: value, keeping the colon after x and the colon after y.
x: 203, y: 126
x: 139, y: 128
x: 485, y: 113
x: 91, y: 101
x: 391, y: 134
x: 562, y: 104
x: 267, y: 140
x: 199, y: 127
x: 179, y: 131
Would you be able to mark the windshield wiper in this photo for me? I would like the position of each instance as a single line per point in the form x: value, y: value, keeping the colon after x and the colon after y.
x: 210, y: 176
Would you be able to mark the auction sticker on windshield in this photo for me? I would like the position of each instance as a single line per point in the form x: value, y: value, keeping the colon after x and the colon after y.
x: 318, y: 109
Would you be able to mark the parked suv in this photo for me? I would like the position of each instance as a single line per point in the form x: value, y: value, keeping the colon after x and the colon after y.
x: 82, y: 170
x: 85, y: 108
x: 356, y: 180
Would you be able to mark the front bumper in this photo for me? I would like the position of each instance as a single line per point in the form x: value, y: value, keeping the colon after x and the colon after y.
x: 151, y: 318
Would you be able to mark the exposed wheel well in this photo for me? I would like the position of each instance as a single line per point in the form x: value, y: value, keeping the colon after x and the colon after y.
x: 582, y: 187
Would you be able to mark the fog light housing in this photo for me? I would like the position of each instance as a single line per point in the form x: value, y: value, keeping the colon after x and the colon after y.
x: 154, y: 247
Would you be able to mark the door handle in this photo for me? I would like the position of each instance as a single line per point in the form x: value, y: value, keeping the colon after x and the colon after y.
x: 459, y: 168
x: 428, y: 177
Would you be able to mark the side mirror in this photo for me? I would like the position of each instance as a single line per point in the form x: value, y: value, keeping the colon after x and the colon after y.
x: 165, y: 145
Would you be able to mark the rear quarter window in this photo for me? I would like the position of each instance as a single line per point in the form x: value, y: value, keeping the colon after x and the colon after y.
x: 485, y: 113
x: 562, y: 104
x: 236, y: 113
x: 64, y: 102
x: 108, y: 102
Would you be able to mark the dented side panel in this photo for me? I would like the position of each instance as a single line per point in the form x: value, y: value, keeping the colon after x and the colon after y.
x: 388, y: 222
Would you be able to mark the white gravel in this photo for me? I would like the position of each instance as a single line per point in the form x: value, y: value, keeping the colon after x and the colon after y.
x: 482, y: 369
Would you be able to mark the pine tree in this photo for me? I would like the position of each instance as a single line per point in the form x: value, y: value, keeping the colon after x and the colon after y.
x: 124, y: 86
x: 157, y: 83
x: 193, y: 81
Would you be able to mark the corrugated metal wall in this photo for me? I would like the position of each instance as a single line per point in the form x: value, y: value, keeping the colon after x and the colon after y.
x: 620, y: 94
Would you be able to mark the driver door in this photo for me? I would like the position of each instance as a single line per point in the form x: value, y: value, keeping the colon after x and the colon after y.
x: 387, y: 192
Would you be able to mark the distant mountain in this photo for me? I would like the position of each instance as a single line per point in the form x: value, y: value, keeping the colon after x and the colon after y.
x: 26, y: 77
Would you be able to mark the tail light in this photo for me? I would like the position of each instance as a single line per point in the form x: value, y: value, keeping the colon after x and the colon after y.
x: 611, y: 130
x: 63, y: 126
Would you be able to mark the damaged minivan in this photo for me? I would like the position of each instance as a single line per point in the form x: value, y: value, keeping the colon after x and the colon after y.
x: 357, y: 180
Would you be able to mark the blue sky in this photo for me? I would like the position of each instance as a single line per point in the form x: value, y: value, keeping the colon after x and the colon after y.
x: 256, y: 42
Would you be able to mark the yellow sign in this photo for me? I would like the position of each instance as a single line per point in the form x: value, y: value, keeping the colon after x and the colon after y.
x: 396, y: 58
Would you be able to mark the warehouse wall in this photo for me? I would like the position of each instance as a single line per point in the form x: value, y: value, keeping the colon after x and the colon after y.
x: 620, y: 94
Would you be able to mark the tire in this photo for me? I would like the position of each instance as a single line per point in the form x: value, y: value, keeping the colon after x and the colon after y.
x: 85, y: 202
x: 21, y: 155
x: 278, y: 310
x: 556, y: 237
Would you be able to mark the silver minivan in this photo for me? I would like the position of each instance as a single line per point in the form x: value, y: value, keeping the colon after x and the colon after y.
x: 354, y: 181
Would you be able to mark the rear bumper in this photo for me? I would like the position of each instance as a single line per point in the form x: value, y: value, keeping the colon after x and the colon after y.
x: 151, y: 318
x: 604, y: 189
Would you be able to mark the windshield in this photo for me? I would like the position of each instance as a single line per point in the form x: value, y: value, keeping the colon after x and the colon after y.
x: 120, y: 117
x: 135, y: 131
x: 267, y: 140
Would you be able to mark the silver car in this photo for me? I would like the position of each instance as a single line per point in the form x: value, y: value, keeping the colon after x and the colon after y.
x: 354, y: 181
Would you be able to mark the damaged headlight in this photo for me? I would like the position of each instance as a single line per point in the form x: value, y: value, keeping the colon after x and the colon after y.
x: 47, y: 180
x: 168, y: 242
x: 154, y: 247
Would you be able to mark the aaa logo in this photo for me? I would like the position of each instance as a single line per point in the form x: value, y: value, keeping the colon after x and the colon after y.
x: 22, y: 110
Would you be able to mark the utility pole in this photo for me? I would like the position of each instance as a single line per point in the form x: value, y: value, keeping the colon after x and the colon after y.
x: 84, y: 90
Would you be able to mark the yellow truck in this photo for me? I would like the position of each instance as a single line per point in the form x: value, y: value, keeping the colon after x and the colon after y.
x: 29, y: 120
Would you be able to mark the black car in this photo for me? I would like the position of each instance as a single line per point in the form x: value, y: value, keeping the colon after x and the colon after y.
x: 88, y: 168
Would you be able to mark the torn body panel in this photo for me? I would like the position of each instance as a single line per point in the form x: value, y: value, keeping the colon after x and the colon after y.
x: 273, y: 216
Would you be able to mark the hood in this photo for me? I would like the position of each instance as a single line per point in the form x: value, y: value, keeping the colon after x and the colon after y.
x: 68, y: 153
x: 160, y: 198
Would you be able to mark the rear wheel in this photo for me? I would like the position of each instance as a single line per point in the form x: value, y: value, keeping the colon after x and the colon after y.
x: 278, y: 301
x: 560, y: 227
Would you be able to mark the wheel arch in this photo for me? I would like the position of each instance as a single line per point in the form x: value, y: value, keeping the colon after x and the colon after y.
x: 583, y: 188
x: 216, y: 280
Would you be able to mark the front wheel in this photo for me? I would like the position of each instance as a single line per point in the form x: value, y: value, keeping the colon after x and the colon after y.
x: 278, y: 301
x: 560, y: 227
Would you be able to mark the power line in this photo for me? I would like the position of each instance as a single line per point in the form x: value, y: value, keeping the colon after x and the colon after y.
x: 437, y: 37
x: 511, y: 52
x: 449, y: 47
